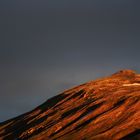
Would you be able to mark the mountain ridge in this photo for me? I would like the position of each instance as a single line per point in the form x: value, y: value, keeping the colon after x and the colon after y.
x: 106, y: 108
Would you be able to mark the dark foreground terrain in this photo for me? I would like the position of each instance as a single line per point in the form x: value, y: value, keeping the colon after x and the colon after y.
x: 104, y: 109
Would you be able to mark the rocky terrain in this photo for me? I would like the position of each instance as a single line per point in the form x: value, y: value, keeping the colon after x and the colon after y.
x: 103, y: 109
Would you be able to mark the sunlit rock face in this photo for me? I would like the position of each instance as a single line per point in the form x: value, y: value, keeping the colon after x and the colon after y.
x: 103, y: 109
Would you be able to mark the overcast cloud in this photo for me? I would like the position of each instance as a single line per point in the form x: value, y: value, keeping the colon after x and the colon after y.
x: 48, y: 46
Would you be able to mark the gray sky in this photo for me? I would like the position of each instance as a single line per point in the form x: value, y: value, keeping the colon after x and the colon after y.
x: 48, y: 46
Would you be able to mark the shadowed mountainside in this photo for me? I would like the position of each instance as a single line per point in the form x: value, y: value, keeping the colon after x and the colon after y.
x: 107, y: 109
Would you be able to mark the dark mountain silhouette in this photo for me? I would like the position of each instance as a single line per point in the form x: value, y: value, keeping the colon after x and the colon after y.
x: 104, y: 109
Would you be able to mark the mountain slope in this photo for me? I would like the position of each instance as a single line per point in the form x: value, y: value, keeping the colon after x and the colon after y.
x: 107, y: 109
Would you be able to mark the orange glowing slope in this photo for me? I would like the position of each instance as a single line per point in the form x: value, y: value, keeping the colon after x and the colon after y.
x: 104, y: 109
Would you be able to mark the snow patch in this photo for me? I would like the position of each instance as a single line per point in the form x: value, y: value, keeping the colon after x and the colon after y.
x: 134, y: 84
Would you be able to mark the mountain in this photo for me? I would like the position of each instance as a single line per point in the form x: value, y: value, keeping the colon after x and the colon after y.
x: 103, y: 109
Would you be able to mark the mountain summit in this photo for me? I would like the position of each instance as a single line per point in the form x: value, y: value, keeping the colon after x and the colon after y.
x: 103, y: 109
